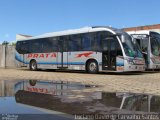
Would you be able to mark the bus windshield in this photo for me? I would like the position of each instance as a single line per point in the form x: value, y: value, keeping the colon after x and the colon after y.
x: 155, y: 43
x: 130, y: 49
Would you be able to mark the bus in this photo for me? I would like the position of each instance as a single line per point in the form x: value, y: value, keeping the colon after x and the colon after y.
x: 92, y: 49
x: 149, y: 43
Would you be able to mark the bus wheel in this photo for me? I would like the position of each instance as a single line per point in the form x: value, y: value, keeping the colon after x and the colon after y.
x: 33, y: 65
x: 92, y: 67
x: 32, y: 82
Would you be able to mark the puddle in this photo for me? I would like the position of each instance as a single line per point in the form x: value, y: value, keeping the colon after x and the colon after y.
x: 36, y: 98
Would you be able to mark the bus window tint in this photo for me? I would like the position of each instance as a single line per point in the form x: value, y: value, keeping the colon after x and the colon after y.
x: 118, y: 47
x: 119, y: 51
x: 18, y: 47
x: 105, y: 45
x: 35, y: 46
x: 105, y: 42
x: 86, y: 42
x: 22, y: 47
x: 101, y: 37
x: 54, y: 44
x: 48, y: 45
x: 93, y: 40
x: 74, y: 43
x: 99, y: 41
x: 144, y: 45
x: 129, y: 48
x: 113, y: 47
x: 63, y: 43
x: 154, y: 46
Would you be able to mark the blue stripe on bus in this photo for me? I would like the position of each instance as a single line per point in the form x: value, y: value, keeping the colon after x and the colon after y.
x: 19, y: 58
x: 65, y: 63
x: 120, y: 64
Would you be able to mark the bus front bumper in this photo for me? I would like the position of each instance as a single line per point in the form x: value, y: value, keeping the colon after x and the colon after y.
x: 135, y: 68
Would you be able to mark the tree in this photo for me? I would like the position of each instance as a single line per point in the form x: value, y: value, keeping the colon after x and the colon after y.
x: 5, y: 43
x: 13, y: 43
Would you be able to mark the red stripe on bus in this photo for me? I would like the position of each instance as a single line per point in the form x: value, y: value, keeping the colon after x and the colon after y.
x: 87, y: 54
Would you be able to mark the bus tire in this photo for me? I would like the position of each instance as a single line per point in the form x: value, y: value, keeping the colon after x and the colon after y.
x: 92, y: 67
x: 33, y: 65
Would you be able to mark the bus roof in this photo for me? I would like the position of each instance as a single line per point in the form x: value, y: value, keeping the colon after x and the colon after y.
x: 146, y: 32
x: 77, y: 31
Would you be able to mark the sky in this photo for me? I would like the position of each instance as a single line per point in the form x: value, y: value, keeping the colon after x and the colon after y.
x: 35, y: 17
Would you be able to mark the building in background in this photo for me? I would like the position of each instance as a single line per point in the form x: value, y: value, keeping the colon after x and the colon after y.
x: 155, y: 28
x: 21, y: 36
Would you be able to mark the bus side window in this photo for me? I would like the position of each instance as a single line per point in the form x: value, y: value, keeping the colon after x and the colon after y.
x: 65, y: 43
x: 36, y: 46
x: 22, y: 47
x: 46, y: 45
x: 74, y: 43
x: 94, y: 45
x: 105, y: 44
x: 99, y: 41
x: 102, y: 38
x: 54, y: 44
x: 116, y: 48
x: 86, y: 42
x: 62, y: 43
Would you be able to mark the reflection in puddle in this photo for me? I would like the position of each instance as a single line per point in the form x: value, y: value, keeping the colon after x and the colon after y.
x: 75, y: 98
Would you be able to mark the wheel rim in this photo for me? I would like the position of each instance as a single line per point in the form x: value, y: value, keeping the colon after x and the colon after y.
x: 33, y: 65
x: 92, y: 66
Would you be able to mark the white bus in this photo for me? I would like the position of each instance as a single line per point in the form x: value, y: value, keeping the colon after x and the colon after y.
x: 91, y: 48
x: 149, y: 43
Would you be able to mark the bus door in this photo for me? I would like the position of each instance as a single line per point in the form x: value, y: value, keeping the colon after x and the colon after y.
x: 109, y: 53
x: 62, y: 58
x: 143, y: 44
